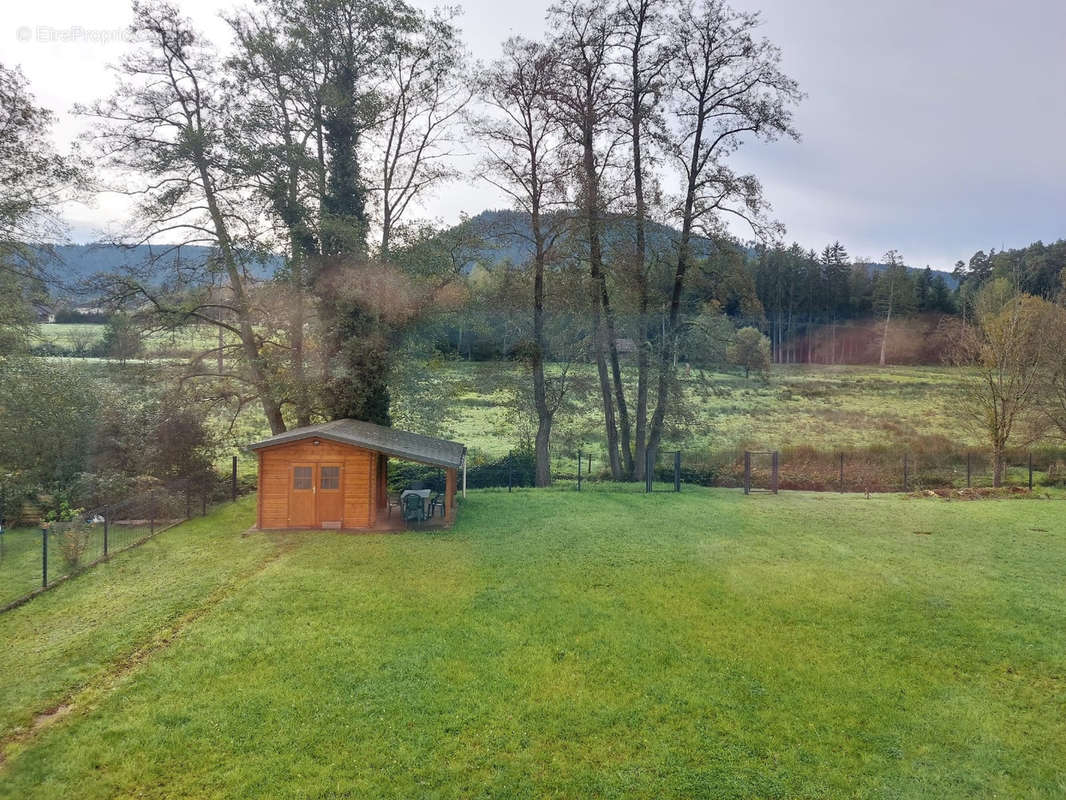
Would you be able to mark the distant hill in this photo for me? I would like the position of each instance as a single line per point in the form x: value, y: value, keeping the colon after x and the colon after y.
x: 74, y: 264
x: 507, y: 234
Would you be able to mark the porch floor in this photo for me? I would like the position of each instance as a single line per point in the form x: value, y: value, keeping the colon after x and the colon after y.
x: 395, y: 522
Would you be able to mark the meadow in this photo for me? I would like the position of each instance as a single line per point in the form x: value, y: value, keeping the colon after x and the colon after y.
x: 557, y: 644
x: 827, y: 409
x: 830, y: 407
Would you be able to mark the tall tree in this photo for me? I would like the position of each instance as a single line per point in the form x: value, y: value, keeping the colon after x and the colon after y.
x: 586, y: 100
x: 163, y: 129
x: 892, y: 293
x: 276, y: 101
x: 646, y: 56
x: 727, y: 85
x: 521, y: 136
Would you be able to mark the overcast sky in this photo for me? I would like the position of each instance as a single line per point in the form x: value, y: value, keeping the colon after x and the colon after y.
x: 933, y: 127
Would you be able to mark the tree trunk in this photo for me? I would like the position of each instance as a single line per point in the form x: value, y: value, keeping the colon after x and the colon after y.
x: 542, y: 455
x: 636, y: 118
x: 665, y: 361
x: 884, y: 336
x: 600, y: 300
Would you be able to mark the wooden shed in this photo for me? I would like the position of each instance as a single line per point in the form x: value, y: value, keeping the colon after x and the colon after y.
x: 334, y: 475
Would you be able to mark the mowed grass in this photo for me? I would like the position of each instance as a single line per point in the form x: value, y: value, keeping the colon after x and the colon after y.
x: 556, y: 644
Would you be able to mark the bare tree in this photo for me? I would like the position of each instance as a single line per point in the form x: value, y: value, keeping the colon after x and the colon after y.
x: 424, y: 94
x: 521, y: 136
x: 890, y: 289
x: 1010, y: 350
x: 586, y: 99
x: 646, y: 58
x: 726, y: 85
x: 163, y: 129
x: 276, y: 102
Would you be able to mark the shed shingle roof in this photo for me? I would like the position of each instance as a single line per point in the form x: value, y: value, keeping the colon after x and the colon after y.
x: 393, y: 442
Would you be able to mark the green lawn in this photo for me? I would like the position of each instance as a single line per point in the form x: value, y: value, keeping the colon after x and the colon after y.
x: 559, y: 645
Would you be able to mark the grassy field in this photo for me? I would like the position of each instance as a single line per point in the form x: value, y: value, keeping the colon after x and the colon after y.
x: 802, y: 405
x: 821, y: 406
x: 559, y: 645
x: 70, y: 336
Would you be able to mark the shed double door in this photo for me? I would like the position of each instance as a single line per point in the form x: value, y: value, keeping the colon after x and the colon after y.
x: 316, y: 499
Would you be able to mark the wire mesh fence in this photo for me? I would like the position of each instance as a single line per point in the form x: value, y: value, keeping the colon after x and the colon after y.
x: 35, y: 557
x: 873, y: 469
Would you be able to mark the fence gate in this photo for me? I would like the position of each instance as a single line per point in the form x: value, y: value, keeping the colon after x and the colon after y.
x: 775, y: 474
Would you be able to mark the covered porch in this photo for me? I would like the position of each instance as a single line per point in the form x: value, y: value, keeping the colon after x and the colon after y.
x: 434, y: 490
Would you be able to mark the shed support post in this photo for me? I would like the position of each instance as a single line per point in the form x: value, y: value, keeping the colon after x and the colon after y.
x: 449, y: 494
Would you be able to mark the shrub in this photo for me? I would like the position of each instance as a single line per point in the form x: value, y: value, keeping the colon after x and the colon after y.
x: 74, y: 543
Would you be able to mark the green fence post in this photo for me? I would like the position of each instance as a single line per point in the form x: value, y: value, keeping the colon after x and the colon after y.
x: 233, y: 480
x: 677, y: 471
x: 107, y: 525
x: 1030, y: 471
x: 44, y: 557
x: 649, y: 468
x: 579, y: 470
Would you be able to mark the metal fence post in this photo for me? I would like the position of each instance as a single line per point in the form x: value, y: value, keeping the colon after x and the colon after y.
x: 1030, y: 471
x: 906, y: 470
x: 969, y: 470
x: 747, y: 472
x: 44, y: 557
x: 107, y: 525
x: 777, y: 470
x: 842, y: 473
x: 509, y: 472
x: 579, y: 470
x: 649, y: 468
x: 233, y: 480
x: 677, y: 470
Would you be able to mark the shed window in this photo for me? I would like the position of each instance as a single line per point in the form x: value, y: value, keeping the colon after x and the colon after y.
x: 301, y: 477
x: 331, y: 477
